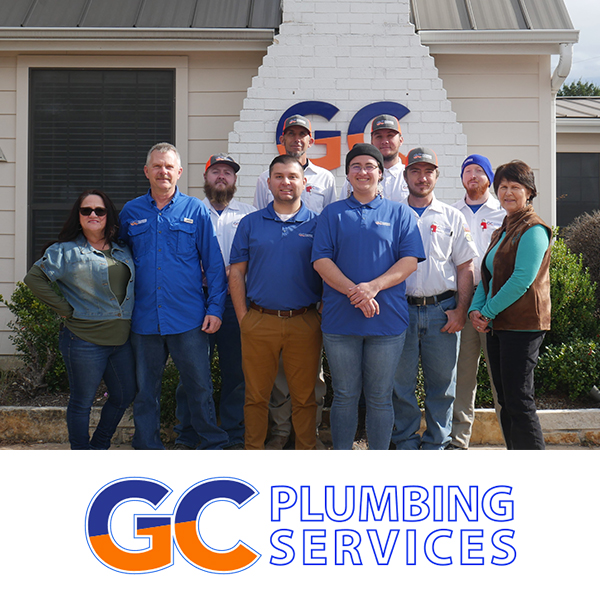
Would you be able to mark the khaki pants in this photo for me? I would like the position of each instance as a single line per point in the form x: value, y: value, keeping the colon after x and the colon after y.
x: 298, y: 341
x: 471, y: 344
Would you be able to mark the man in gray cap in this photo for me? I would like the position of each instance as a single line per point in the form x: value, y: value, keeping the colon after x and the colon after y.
x: 386, y: 136
x: 220, y: 177
x: 438, y: 295
x: 484, y: 215
x: 318, y: 193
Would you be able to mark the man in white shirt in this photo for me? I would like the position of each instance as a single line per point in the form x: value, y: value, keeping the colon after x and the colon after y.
x: 386, y: 136
x: 220, y: 177
x: 318, y: 193
x: 438, y: 296
x: 484, y: 215
x: 320, y: 183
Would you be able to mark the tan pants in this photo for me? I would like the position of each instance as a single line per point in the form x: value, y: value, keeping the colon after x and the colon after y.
x: 298, y: 341
x: 471, y: 344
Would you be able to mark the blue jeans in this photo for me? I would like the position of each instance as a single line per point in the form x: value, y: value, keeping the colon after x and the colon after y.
x: 87, y: 364
x: 438, y: 353
x: 231, y: 407
x: 361, y: 363
x: 190, y: 353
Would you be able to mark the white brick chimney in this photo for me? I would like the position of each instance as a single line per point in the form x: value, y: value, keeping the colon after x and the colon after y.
x: 349, y: 53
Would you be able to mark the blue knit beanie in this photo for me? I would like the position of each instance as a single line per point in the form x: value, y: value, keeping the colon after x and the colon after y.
x: 482, y: 161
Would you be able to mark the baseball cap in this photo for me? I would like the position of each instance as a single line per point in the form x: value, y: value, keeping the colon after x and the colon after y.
x: 385, y: 122
x: 221, y: 158
x: 482, y: 161
x: 364, y: 150
x: 297, y: 120
x: 422, y: 155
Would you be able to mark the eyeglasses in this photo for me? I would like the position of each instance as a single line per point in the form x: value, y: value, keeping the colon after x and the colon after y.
x: 359, y: 168
x: 86, y: 211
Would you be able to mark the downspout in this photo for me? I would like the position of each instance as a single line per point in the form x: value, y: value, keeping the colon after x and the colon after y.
x: 563, y: 68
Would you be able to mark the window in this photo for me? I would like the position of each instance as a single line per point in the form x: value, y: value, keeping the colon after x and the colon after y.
x: 91, y: 128
x: 578, y: 185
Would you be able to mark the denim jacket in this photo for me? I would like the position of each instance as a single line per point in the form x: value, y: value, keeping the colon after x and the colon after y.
x: 81, y: 273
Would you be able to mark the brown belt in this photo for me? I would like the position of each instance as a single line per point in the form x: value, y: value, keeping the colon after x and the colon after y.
x: 282, y: 313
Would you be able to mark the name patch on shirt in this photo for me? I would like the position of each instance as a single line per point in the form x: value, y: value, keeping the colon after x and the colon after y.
x: 308, y: 235
x: 383, y: 223
x: 187, y: 220
x: 134, y: 223
x: 435, y: 228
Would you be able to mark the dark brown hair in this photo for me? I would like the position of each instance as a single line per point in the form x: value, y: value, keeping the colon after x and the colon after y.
x: 519, y: 172
x: 72, y: 229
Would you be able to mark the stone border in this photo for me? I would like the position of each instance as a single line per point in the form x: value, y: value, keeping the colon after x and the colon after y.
x: 579, y: 427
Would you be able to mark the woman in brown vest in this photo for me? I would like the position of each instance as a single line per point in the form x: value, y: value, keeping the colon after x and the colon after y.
x: 512, y: 303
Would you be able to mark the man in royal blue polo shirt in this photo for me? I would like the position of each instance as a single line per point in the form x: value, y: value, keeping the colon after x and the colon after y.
x: 173, y: 243
x: 271, y: 267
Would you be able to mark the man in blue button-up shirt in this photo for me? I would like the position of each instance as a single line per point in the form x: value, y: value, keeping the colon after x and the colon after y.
x: 173, y: 244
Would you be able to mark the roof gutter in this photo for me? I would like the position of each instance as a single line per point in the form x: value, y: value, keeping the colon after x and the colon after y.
x: 563, y: 68
x: 508, y: 41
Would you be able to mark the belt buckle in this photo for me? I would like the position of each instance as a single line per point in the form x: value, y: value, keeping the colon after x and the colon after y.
x: 284, y: 316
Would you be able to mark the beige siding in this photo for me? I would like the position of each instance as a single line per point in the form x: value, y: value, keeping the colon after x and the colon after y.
x: 506, y: 109
x: 8, y: 103
x: 217, y: 88
x: 578, y: 142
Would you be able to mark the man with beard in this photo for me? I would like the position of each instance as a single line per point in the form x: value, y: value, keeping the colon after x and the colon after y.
x: 386, y: 136
x: 484, y: 215
x: 220, y: 176
x: 318, y: 192
x: 273, y: 248
x: 438, y: 295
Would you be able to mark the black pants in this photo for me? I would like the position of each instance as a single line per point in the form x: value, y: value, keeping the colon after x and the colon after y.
x: 513, y: 356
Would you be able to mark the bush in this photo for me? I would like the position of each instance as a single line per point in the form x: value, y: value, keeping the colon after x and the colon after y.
x: 35, y: 336
x: 570, y: 368
x: 583, y: 238
x: 573, y: 298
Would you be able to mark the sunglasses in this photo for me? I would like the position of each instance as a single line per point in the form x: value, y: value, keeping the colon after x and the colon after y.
x: 86, y: 211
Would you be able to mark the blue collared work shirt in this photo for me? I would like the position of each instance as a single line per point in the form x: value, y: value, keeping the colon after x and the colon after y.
x: 171, y: 248
x: 280, y: 274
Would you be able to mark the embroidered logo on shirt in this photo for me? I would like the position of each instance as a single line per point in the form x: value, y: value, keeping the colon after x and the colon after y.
x: 309, y: 188
x: 187, y: 220
x: 484, y: 224
x: 308, y: 235
x: 383, y: 223
x: 134, y: 223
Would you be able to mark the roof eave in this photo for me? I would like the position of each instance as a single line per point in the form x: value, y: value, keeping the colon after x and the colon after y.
x: 518, y: 41
x: 85, y: 38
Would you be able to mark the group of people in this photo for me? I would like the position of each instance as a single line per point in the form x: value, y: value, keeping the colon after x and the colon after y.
x: 384, y: 278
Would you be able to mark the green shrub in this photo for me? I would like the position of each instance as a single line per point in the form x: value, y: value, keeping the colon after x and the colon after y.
x: 35, y: 336
x: 570, y: 368
x: 582, y: 237
x: 573, y: 298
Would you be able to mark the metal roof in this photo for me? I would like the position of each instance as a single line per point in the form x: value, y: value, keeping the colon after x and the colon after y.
x: 496, y: 15
x: 153, y: 14
x: 578, y: 107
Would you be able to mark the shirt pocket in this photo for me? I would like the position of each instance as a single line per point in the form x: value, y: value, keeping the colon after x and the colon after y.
x: 140, y: 239
x: 182, y: 237
x: 441, y: 242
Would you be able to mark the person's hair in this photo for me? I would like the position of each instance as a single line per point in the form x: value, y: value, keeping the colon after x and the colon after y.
x: 163, y: 147
x: 518, y: 172
x: 284, y: 159
x: 72, y: 228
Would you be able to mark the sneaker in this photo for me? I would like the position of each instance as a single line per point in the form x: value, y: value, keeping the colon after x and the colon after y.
x: 277, y: 442
x: 454, y: 447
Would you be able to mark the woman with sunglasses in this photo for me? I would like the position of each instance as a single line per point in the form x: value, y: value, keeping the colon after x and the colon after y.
x: 96, y: 276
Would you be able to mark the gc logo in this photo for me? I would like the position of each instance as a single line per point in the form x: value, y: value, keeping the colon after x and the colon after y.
x: 161, y: 530
x: 332, y: 139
